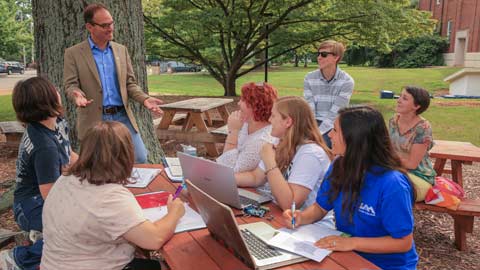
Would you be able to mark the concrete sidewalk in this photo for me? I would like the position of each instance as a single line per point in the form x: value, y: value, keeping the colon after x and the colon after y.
x: 7, y: 82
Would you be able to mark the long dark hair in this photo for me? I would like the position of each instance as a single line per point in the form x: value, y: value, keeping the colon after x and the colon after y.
x: 367, y: 143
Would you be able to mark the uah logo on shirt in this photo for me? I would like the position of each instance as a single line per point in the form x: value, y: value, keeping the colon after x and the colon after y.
x: 366, y: 209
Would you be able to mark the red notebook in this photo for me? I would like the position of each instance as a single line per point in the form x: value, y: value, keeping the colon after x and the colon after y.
x: 154, y: 199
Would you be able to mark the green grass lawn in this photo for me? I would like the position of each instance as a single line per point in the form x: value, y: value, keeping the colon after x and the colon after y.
x: 451, y: 119
x: 289, y: 80
x: 6, y: 109
x: 449, y: 122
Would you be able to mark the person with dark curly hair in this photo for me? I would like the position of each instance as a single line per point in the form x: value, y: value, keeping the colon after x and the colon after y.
x: 412, y: 138
x: 248, y: 128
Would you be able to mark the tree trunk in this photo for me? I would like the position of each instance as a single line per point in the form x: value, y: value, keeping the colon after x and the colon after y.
x: 59, y: 25
x: 305, y: 61
x: 229, y: 85
x: 296, y: 60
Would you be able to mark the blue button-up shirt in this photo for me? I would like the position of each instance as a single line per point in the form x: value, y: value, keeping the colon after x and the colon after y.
x: 107, y: 72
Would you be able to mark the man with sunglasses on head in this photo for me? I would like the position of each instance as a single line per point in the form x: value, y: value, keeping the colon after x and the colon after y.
x: 98, y: 77
x: 329, y: 88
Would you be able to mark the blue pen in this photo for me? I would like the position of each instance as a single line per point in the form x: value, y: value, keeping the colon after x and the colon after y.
x: 177, y: 192
x: 293, y: 215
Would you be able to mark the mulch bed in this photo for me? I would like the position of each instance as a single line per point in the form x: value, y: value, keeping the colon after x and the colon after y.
x: 433, y: 231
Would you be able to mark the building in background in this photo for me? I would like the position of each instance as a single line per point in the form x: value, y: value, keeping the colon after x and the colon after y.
x: 459, y: 22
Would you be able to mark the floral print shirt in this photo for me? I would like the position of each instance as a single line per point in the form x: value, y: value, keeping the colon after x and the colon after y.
x: 421, y: 133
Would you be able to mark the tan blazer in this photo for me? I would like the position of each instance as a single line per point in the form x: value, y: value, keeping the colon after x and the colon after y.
x: 80, y: 73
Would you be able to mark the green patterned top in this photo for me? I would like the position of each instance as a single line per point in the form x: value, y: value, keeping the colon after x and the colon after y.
x: 421, y: 133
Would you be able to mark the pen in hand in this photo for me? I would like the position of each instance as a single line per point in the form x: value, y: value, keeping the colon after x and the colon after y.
x: 177, y: 192
x: 293, y: 215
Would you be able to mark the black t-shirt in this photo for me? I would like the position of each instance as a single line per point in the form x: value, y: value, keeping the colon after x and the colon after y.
x: 41, y: 155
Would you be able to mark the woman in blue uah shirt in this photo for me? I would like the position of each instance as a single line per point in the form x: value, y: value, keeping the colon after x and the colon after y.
x: 369, y: 191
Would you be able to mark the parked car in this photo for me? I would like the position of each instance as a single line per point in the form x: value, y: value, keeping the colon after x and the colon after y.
x: 3, y: 66
x: 187, y: 68
x: 182, y: 67
x: 14, y: 67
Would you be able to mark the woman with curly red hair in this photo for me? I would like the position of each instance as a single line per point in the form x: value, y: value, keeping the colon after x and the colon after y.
x: 248, y: 128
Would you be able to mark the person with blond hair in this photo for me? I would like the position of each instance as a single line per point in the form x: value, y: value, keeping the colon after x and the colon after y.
x: 91, y: 221
x: 292, y: 170
x: 328, y: 88
x: 248, y: 128
x: 369, y: 191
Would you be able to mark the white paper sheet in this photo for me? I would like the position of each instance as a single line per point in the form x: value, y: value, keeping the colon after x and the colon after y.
x: 142, y: 177
x: 287, y: 242
x: 190, y: 221
x: 301, y: 240
x: 311, y: 232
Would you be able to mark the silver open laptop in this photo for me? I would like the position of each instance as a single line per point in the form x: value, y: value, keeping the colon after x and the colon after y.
x: 218, y: 181
x: 248, y: 241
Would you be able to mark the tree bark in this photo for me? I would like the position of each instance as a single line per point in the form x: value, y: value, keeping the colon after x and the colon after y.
x: 296, y: 60
x: 229, y: 86
x: 59, y: 25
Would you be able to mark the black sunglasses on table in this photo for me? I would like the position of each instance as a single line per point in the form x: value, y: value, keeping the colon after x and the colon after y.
x: 324, y: 54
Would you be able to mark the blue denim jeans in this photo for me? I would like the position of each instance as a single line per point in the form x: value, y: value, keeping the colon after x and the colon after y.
x: 28, y: 215
x: 327, y: 139
x: 138, y: 145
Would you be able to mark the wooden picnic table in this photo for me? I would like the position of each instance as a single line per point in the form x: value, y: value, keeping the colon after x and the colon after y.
x: 13, y: 131
x: 198, y: 250
x: 458, y: 153
x: 196, y: 109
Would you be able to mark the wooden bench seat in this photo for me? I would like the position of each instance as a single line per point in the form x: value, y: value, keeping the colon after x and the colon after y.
x: 178, y: 117
x: 463, y: 218
x: 223, y: 130
x: 12, y: 130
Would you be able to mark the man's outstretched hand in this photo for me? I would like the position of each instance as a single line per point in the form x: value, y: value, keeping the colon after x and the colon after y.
x: 152, y: 104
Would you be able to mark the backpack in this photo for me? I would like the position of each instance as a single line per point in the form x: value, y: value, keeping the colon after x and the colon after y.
x: 445, y: 193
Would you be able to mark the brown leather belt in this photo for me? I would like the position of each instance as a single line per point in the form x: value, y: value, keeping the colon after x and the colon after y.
x: 112, y: 109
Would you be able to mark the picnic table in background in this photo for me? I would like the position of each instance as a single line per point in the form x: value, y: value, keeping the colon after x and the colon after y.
x: 198, y: 250
x: 198, y: 115
x: 458, y: 153
x: 13, y: 131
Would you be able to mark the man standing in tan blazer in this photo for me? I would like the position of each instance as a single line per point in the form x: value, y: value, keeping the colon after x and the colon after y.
x: 99, y: 79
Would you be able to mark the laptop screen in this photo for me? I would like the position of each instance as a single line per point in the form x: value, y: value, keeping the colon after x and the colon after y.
x: 220, y: 222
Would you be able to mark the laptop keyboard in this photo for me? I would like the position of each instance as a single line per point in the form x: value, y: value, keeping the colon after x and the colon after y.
x: 257, y: 247
x: 246, y: 201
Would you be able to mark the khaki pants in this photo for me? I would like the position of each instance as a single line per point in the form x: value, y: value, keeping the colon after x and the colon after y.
x: 421, y: 186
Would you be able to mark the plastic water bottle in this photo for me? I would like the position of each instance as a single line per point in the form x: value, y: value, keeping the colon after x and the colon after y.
x: 190, y: 150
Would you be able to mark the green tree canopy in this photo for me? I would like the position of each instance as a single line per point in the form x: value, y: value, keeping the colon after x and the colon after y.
x: 15, y: 20
x: 224, y: 35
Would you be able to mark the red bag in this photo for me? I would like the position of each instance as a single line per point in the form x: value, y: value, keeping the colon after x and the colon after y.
x: 445, y: 193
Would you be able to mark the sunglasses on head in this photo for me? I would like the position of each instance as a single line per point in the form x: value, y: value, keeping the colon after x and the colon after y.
x: 324, y: 54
